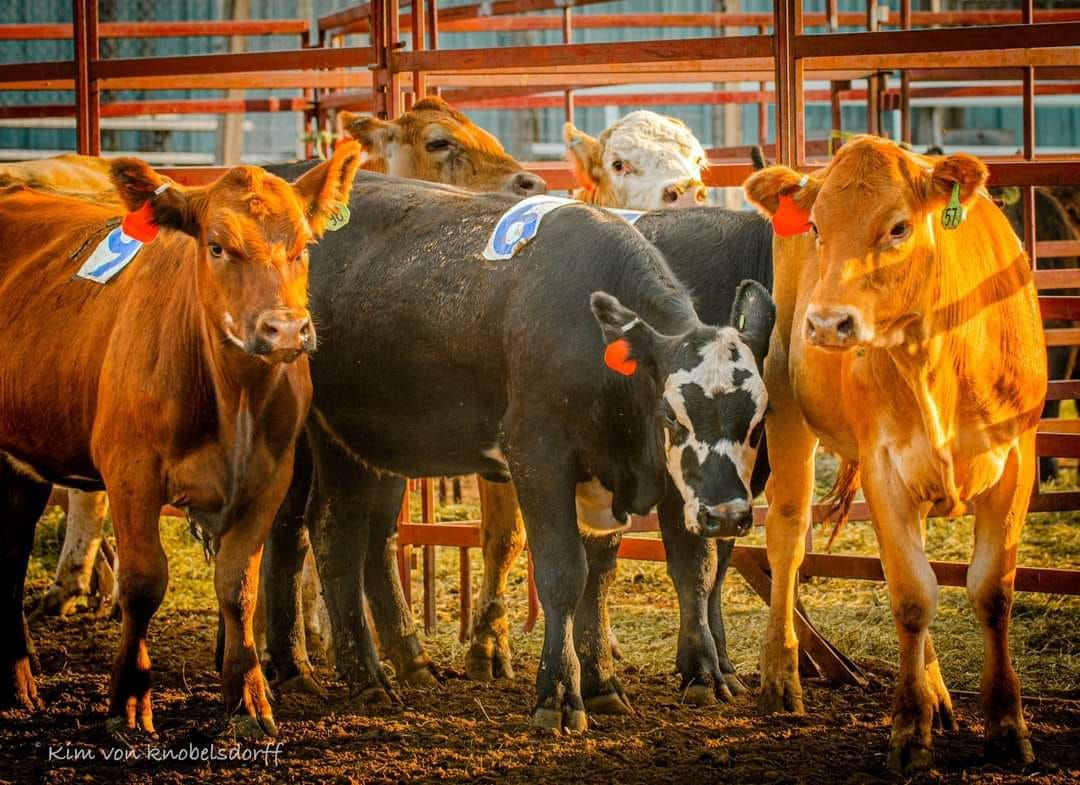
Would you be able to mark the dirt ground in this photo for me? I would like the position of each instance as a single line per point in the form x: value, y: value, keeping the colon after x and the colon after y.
x: 466, y: 732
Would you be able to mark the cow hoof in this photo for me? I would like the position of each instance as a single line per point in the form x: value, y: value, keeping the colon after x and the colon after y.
x: 734, y: 684
x: 699, y: 695
x: 423, y: 677
x: 609, y: 703
x: 556, y: 721
x: 372, y: 698
x: 780, y: 698
x: 246, y: 726
x: 56, y: 602
x: 484, y: 665
x: 944, y: 718
x: 22, y: 689
x: 304, y: 684
x: 1010, y: 745
x: 909, y: 757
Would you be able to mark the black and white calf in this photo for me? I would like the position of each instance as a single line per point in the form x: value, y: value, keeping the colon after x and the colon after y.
x: 438, y: 362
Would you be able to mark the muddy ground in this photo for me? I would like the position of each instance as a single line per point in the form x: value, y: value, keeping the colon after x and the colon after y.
x: 467, y: 732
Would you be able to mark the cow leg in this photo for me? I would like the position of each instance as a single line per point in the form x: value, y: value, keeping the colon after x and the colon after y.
x: 789, y: 492
x: 913, y: 596
x: 550, y: 512
x: 22, y: 500
x: 286, y: 548
x: 732, y: 686
x: 142, y: 579
x: 236, y: 580
x: 943, y: 708
x: 382, y: 585
x: 82, y: 542
x: 600, y: 686
x: 691, y: 565
x: 999, y: 518
x: 502, y: 533
x: 338, y: 514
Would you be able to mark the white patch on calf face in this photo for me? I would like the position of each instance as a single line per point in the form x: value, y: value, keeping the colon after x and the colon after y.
x: 726, y: 367
x: 654, y: 152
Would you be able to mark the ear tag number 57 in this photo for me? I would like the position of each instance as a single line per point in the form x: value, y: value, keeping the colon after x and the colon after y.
x: 953, y: 214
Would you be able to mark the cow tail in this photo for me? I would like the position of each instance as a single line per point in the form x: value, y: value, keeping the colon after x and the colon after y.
x: 840, y: 497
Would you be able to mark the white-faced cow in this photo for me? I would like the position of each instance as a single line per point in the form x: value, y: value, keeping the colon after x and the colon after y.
x: 183, y: 380
x: 909, y: 342
x: 645, y: 161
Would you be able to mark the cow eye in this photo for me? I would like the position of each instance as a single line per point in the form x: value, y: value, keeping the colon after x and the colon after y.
x: 438, y: 144
x: 617, y: 165
x: 813, y: 226
x: 216, y: 250
x: 900, y: 230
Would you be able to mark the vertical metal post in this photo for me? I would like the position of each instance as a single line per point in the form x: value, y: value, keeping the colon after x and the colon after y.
x: 393, y: 43
x: 831, y: 16
x: 568, y: 38
x: 379, y: 81
x: 762, y: 107
x: 465, y: 595
x: 790, y: 141
x: 87, y: 95
x: 905, y: 79
x: 405, y: 551
x: 432, y: 29
x: 1029, y: 145
x: 419, y: 24
x: 836, y: 106
x: 873, y: 86
x: 427, y: 505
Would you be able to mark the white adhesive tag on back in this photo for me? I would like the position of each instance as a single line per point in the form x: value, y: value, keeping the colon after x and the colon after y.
x: 112, y: 255
x: 521, y: 222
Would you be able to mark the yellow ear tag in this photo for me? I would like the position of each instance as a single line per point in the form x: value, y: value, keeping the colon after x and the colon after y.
x: 742, y: 322
x: 338, y: 218
x: 953, y: 214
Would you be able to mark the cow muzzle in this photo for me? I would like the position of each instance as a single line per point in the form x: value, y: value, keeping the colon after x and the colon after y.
x: 525, y: 184
x: 683, y: 193
x: 726, y: 520
x: 282, y: 336
x: 833, y: 327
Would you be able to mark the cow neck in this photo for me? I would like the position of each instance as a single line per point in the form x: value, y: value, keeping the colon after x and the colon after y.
x: 241, y: 386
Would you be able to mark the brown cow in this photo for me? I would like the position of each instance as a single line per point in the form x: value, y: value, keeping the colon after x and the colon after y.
x: 181, y: 381
x: 433, y: 141
x: 68, y: 172
x: 914, y: 351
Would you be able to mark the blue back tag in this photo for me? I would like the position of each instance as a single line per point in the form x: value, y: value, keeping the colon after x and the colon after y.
x: 521, y: 222
x: 112, y: 255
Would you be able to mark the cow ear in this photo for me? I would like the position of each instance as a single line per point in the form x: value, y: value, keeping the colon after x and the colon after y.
x: 172, y: 205
x: 630, y: 340
x: 373, y: 134
x: 961, y: 169
x: 763, y: 189
x: 324, y: 188
x: 585, y: 154
x: 753, y: 314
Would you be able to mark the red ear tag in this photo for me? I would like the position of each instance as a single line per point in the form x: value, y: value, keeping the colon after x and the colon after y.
x: 790, y: 219
x: 140, y: 225
x: 617, y: 357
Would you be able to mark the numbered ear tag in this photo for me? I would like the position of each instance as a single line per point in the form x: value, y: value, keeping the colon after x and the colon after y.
x: 953, y: 214
x: 338, y: 218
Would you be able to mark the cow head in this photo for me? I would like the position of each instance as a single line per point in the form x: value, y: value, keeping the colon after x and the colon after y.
x: 252, y: 230
x: 709, y: 415
x: 434, y: 142
x: 876, y: 216
x: 645, y: 161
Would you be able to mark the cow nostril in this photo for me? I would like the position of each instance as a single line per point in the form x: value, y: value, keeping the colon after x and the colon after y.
x: 269, y: 329
x: 845, y: 327
x: 671, y: 194
x: 811, y: 329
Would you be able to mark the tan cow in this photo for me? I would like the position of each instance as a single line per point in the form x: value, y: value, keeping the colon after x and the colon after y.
x: 69, y: 173
x: 645, y: 161
x: 435, y: 142
x: 915, y: 352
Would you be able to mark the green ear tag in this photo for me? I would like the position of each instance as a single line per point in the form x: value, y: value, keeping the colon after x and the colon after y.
x: 742, y: 322
x: 338, y: 218
x: 953, y: 214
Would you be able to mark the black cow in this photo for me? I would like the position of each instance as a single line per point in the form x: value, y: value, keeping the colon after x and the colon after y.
x: 1052, y: 222
x: 438, y: 362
